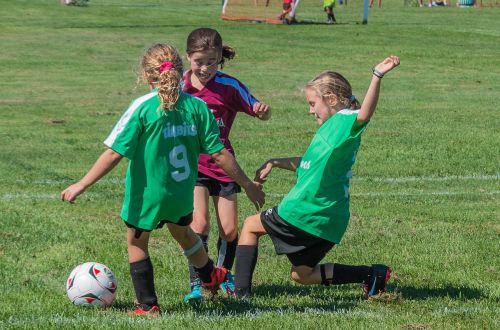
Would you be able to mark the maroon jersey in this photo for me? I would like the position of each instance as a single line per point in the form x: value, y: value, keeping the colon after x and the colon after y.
x: 225, y: 97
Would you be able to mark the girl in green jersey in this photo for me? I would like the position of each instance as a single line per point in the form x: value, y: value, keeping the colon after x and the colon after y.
x: 313, y: 216
x: 162, y: 134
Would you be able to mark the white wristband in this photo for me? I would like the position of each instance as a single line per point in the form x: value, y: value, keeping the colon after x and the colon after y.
x: 377, y: 73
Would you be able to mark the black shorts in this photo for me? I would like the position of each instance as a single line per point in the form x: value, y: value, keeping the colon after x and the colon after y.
x: 301, y: 248
x: 183, y: 221
x: 216, y: 187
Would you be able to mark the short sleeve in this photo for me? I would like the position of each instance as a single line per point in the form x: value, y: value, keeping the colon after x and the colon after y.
x: 124, y: 137
x: 243, y: 99
x: 358, y: 128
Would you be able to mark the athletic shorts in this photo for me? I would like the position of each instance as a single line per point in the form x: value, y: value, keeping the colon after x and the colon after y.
x: 216, y: 187
x: 301, y: 248
x: 328, y: 3
x: 287, y: 2
x: 183, y: 221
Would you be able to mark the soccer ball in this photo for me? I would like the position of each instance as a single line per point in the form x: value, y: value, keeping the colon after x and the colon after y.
x: 91, y: 284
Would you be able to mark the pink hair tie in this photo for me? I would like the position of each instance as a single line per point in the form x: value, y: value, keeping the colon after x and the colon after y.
x: 166, y: 66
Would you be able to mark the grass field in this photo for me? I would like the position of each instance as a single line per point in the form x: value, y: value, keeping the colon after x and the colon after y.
x: 426, y: 187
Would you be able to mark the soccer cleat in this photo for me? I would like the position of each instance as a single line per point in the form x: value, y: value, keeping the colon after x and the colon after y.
x: 143, y: 309
x: 228, y: 285
x: 196, y: 295
x: 218, y: 276
x: 378, y: 279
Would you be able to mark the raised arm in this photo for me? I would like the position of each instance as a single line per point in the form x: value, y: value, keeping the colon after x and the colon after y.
x: 290, y: 163
x: 225, y: 160
x: 105, y: 163
x: 371, y: 98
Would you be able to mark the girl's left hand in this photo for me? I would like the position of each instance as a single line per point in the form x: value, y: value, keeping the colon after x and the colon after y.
x: 260, y: 109
x: 388, y: 64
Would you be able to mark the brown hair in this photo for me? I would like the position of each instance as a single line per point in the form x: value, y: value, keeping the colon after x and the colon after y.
x: 333, y: 83
x: 204, y: 39
x: 168, y: 82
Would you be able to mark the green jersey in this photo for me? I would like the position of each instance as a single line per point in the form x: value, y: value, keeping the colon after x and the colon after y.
x: 163, y: 148
x: 319, y: 202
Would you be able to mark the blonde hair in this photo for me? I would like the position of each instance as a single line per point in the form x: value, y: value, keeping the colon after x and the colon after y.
x: 330, y: 83
x: 168, y: 82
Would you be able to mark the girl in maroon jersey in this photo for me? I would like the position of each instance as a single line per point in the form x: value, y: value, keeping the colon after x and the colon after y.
x: 225, y: 97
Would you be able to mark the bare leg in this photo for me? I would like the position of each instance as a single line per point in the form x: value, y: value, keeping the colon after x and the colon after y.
x: 252, y: 230
x: 227, y: 216
x: 201, y: 214
x: 307, y: 275
x: 186, y: 238
x: 137, y: 247
x: 227, y: 219
x: 246, y: 254
x: 141, y: 268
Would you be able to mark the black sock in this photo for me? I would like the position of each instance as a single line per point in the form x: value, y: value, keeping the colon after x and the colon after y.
x: 143, y: 280
x: 343, y: 274
x: 205, y: 272
x: 226, y: 252
x: 193, y: 276
x: 246, y: 259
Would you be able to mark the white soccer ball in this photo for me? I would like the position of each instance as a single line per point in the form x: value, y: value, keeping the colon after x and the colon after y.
x: 91, y: 284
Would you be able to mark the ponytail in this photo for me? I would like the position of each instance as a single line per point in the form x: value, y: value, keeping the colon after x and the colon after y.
x: 161, y: 68
x: 169, y: 88
x: 228, y: 53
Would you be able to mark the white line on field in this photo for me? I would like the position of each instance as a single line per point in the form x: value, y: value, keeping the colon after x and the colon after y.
x: 403, y: 179
x: 430, y: 178
x: 44, y: 196
x: 418, y: 193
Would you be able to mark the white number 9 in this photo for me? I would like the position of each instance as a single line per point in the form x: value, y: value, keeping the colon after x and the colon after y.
x: 178, y: 159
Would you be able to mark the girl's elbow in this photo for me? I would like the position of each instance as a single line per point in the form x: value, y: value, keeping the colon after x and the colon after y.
x: 114, y: 155
x: 362, y: 119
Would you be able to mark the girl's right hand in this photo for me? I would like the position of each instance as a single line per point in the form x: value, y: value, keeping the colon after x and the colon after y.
x: 263, y: 171
x: 388, y: 64
x: 255, y: 194
x: 72, y: 192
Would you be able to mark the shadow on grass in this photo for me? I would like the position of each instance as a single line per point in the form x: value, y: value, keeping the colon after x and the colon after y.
x: 449, y: 291
x: 272, y: 298
x: 275, y: 298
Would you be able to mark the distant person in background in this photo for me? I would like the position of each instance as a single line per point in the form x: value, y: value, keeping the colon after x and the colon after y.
x: 314, y: 215
x: 379, y: 2
x: 289, y: 7
x: 328, y: 7
x: 421, y: 3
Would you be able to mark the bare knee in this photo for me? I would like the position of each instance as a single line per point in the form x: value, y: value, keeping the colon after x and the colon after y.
x: 201, y: 223
x: 296, y: 277
x: 228, y: 233
x: 301, y: 274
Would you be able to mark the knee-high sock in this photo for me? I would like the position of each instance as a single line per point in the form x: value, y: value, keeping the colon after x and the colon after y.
x: 343, y: 274
x: 143, y: 280
x: 226, y: 253
x: 246, y: 259
x: 205, y: 272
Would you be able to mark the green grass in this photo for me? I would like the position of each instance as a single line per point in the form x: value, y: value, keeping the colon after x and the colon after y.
x: 426, y: 185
